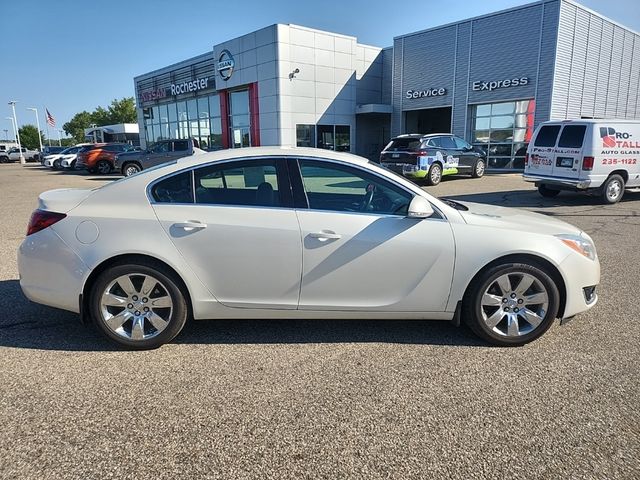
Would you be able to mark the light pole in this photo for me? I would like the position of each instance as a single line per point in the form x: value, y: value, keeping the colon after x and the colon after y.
x: 15, y: 119
x: 59, y: 138
x: 6, y: 134
x: 34, y: 109
x: 13, y: 125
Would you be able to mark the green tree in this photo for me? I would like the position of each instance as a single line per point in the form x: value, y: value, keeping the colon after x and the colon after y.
x: 101, y: 117
x: 123, y: 111
x: 120, y: 111
x: 29, y: 137
x: 75, y: 127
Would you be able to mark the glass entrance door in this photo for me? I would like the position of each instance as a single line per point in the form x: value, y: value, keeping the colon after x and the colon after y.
x: 239, y: 119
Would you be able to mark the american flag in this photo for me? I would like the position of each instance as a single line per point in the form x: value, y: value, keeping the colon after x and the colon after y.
x: 50, y: 120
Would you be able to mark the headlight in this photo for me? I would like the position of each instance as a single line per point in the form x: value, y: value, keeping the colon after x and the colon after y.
x: 582, y: 245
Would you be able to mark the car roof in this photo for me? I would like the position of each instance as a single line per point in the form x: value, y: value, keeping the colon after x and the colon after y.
x: 257, y: 152
x: 590, y: 120
x: 422, y: 136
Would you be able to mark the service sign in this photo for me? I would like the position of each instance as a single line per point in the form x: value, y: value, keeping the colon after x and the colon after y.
x: 429, y: 92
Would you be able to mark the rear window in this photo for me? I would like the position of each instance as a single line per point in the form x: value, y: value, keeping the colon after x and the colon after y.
x: 547, y: 136
x: 572, y: 136
x: 404, y: 145
x: 175, y: 189
x: 180, y: 146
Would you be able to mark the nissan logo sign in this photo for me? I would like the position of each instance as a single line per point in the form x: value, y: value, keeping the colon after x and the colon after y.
x: 226, y: 64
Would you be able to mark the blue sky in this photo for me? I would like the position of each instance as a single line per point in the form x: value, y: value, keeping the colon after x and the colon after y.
x: 73, y: 56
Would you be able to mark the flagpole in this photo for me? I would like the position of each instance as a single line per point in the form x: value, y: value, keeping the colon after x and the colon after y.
x: 46, y: 121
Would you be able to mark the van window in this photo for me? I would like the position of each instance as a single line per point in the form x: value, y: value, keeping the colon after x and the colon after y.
x: 572, y: 136
x: 547, y: 136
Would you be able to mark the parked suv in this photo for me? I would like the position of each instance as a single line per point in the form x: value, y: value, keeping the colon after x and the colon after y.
x: 432, y: 156
x: 99, y: 158
x: 163, y: 151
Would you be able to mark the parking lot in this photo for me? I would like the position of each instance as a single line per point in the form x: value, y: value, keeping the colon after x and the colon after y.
x: 325, y: 399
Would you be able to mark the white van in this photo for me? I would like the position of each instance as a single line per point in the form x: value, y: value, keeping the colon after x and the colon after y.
x: 597, y: 156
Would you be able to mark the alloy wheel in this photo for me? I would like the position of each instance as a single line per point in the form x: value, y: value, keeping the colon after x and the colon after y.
x: 104, y: 167
x: 514, y: 304
x: 131, y: 169
x: 136, y: 306
x: 479, y: 168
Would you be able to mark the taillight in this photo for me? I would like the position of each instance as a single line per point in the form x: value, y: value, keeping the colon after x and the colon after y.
x: 421, y: 153
x: 41, y: 219
x: 587, y: 163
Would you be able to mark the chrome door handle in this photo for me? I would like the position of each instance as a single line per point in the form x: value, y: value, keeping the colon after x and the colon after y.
x: 190, y: 225
x: 325, y: 235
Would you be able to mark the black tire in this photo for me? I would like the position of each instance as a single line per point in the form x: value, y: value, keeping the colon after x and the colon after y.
x: 547, y: 192
x: 130, y: 168
x: 72, y: 165
x: 473, y: 310
x: 56, y: 165
x: 478, y: 169
x: 613, y: 189
x: 4, y: 159
x: 434, y: 175
x: 103, y: 167
x: 173, y: 287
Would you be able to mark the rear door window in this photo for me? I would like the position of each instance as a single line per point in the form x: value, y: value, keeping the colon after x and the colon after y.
x: 547, y: 136
x: 448, y: 143
x: 175, y: 189
x: 248, y: 183
x: 572, y: 136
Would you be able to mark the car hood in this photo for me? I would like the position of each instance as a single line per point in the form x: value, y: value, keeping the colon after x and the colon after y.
x: 62, y: 200
x: 514, y: 219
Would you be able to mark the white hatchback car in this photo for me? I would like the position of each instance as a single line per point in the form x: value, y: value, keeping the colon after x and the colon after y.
x: 297, y: 233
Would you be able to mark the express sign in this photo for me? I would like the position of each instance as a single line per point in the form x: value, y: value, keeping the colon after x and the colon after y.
x: 495, y: 84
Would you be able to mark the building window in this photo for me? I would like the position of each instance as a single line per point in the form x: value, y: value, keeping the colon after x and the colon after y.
x: 334, y: 137
x: 503, y: 131
x: 305, y: 135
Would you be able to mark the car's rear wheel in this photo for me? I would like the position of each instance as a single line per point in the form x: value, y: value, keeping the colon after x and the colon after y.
x: 547, y: 192
x: 478, y: 169
x: 103, y: 167
x: 613, y: 189
x: 138, y: 305
x: 131, y: 169
x: 434, y: 176
x: 56, y: 165
x: 511, y: 304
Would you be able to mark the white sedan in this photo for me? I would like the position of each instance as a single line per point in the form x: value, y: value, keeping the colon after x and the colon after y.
x: 297, y: 233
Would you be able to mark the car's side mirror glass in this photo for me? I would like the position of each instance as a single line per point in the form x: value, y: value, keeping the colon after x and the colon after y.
x: 419, y: 208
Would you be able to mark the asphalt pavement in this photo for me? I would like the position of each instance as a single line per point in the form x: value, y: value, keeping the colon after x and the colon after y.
x: 280, y: 399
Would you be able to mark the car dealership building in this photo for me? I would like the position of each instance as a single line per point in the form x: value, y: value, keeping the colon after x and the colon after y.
x: 490, y: 80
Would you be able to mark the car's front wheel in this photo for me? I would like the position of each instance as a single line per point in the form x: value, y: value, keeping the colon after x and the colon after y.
x: 511, y: 304
x: 478, y: 168
x: 138, y: 305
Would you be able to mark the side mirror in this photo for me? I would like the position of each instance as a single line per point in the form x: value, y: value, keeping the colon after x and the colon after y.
x: 419, y: 208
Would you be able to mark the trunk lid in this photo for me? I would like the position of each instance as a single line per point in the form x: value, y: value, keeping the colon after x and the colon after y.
x: 62, y: 200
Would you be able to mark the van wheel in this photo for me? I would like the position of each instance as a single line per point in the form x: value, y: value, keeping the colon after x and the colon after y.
x: 435, y: 174
x: 613, y: 189
x: 547, y: 192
